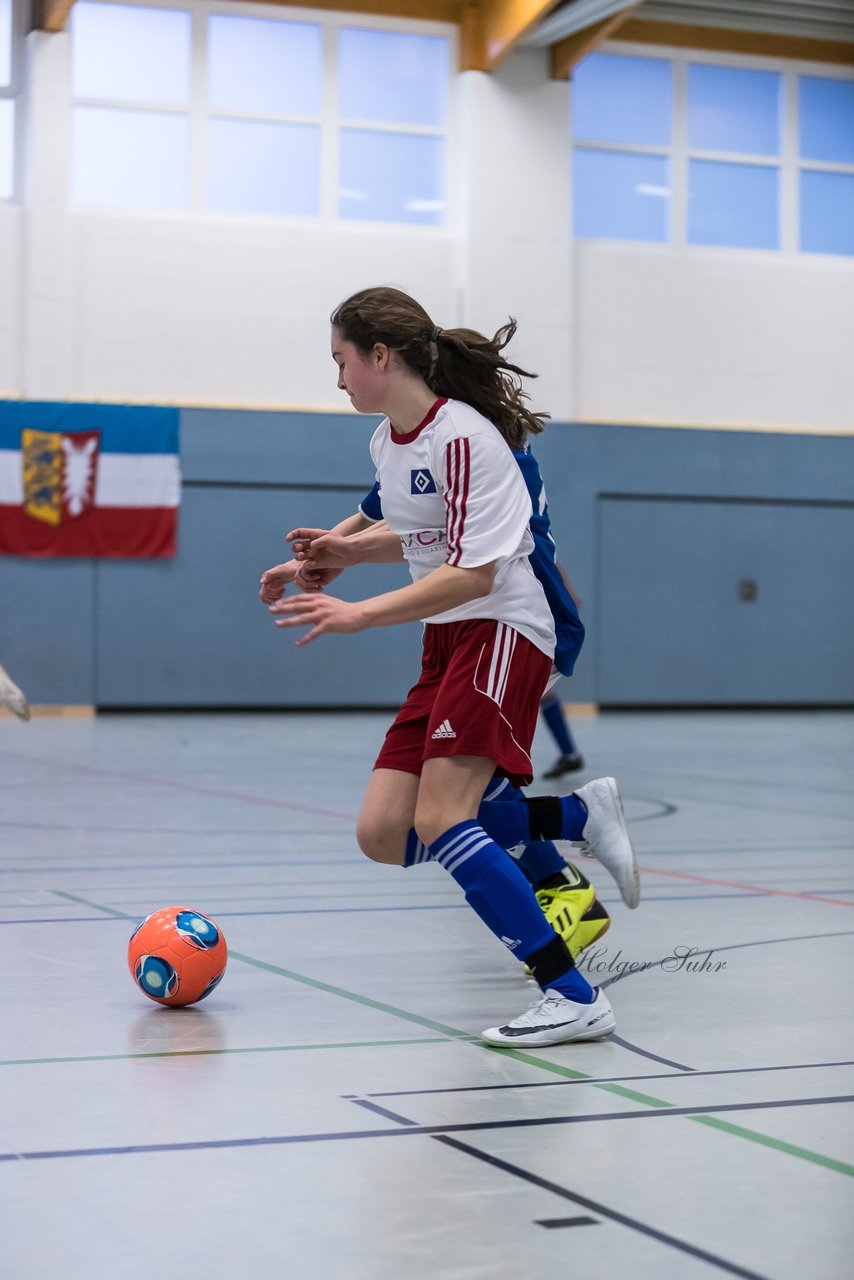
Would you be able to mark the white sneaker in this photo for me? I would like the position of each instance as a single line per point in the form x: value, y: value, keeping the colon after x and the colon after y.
x: 12, y: 697
x: 606, y: 837
x: 553, y: 1019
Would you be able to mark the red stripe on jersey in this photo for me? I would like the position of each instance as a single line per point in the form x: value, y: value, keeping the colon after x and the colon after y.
x: 450, y: 510
x: 458, y: 458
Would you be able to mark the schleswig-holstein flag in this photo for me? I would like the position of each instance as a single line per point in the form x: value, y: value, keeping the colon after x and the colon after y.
x: 88, y: 480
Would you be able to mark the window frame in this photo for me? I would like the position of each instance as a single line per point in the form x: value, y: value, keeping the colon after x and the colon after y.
x: 330, y: 122
x: 789, y: 162
x: 13, y: 92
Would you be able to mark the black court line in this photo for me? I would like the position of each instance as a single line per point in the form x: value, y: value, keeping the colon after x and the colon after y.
x: 482, y: 1126
x: 634, y: 1224
x: 687, y: 1074
x: 382, y: 1111
x: 644, y: 1053
x: 581, y: 1221
x: 665, y: 810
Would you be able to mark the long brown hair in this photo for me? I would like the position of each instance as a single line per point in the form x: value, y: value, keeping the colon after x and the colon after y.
x: 459, y: 363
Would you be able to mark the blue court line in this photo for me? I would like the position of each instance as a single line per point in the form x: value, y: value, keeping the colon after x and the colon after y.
x: 319, y: 861
x: 477, y: 1126
x: 323, y: 911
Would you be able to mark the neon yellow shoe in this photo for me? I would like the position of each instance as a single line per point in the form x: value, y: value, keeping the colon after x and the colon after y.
x: 574, y: 912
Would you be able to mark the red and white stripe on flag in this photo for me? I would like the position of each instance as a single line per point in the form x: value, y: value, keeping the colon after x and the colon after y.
x: 88, y: 480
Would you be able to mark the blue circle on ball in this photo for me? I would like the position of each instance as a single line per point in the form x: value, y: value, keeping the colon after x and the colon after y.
x: 138, y: 927
x: 156, y: 976
x: 197, y: 930
x: 214, y: 982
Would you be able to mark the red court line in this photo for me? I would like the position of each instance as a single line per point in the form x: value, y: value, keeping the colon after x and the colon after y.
x: 350, y: 817
x: 154, y: 781
x: 738, y: 884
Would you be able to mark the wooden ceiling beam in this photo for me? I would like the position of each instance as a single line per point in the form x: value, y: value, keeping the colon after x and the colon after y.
x: 51, y: 15
x: 765, y: 44
x: 567, y: 53
x: 492, y: 28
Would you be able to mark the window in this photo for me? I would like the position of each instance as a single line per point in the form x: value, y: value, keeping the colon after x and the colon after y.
x: 265, y: 95
x: 733, y: 113
x: 7, y: 101
x: 622, y: 124
x: 826, y: 147
x: 722, y: 169
x: 129, y: 54
x: 392, y: 103
x: 127, y: 65
x: 621, y: 195
x: 5, y: 43
x: 266, y: 115
x: 733, y: 204
x: 133, y: 158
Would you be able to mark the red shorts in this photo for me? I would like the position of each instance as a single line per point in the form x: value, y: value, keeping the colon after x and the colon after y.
x: 478, y: 695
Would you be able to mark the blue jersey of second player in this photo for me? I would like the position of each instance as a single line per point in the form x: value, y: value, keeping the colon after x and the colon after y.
x: 543, y: 560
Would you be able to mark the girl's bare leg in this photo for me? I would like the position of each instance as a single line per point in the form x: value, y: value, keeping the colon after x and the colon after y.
x: 387, y: 815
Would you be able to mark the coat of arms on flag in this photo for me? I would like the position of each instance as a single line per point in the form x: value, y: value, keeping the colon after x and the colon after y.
x: 88, y: 480
x: 59, y: 473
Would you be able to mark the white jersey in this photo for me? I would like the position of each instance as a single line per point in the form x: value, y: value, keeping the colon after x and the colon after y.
x: 452, y: 492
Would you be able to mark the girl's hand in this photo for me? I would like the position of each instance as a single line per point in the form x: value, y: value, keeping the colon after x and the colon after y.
x: 324, y: 550
x: 274, y: 581
x: 322, y: 613
x: 308, y: 579
x: 301, y: 540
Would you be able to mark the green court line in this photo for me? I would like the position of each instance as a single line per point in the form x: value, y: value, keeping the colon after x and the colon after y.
x: 200, y: 1053
x: 517, y: 1055
x: 96, y: 906
x: 777, y: 1144
x: 801, y: 1153
x: 634, y: 1096
x: 351, y: 995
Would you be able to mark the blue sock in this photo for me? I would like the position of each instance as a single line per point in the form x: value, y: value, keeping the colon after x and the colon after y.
x: 415, y: 851
x: 554, y: 717
x: 494, y: 887
x: 574, y: 986
x: 538, y: 860
x: 496, y: 890
x: 512, y: 822
x: 506, y: 821
x: 573, y: 817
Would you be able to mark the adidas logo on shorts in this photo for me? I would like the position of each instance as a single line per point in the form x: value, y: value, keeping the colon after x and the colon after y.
x: 444, y: 730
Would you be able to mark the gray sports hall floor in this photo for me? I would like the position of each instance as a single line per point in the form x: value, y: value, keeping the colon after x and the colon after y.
x: 328, y: 1112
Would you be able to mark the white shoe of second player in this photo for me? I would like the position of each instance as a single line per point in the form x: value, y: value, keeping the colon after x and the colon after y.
x: 553, y: 1019
x: 12, y: 697
x: 606, y: 837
